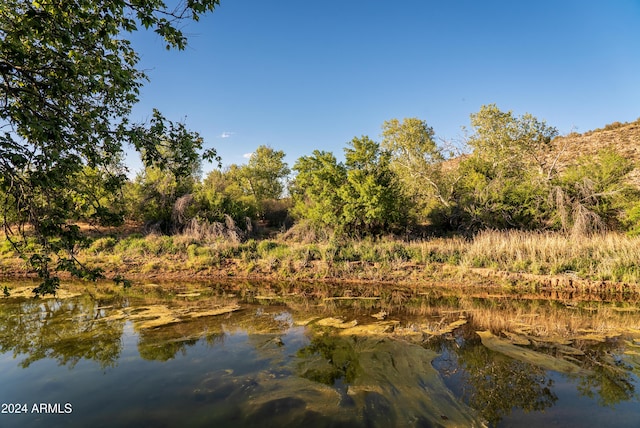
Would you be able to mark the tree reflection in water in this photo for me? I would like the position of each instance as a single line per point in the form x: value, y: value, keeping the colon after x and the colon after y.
x: 328, y: 359
x: 496, y: 385
x: 492, y: 383
x: 163, y: 344
x: 289, y: 357
x: 66, y: 330
x: 611, y: 381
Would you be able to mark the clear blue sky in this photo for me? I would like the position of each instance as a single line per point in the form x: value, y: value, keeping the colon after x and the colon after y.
x: 300, y: 75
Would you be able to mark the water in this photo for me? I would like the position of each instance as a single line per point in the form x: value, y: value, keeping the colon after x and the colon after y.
x: 243, y: 355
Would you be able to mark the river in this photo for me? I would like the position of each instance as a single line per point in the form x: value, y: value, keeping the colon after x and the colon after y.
x: 316, y: 355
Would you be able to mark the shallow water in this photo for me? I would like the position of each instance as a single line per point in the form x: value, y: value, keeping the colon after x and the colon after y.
x: 245, y: 355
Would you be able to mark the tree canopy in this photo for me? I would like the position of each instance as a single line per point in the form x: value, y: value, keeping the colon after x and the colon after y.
x: 362, y: 196
x: 68, y: 81
x: 417, y: 160
x: 265, y: 174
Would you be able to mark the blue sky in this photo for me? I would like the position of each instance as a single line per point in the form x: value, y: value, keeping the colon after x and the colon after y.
x: 300, y: 75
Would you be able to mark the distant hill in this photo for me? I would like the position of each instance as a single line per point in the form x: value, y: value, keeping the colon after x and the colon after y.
x: 624, y: 138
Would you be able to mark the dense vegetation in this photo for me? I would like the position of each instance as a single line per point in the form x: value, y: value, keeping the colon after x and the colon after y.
x: 374, y: 216
x: 68, y: 80
x: 507, y: 177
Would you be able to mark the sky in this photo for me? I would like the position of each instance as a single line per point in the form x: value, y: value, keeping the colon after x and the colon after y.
x: 301, y: 75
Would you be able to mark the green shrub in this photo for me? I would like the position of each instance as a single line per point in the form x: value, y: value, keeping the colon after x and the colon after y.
x: 192, y: 251
x: 347, y: 253
x: 159, y: 245
x: 103, y: 245
x: 399, y: 252
x: 369, y: 252
x: 6, y: 247
x: 266, y: 247
x: 329, y: 253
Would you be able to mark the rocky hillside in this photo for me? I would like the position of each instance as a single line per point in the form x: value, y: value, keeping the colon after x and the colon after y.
x: 624, y: 138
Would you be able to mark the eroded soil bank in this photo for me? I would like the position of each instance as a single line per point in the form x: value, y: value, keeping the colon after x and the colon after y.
x: 415, y: 276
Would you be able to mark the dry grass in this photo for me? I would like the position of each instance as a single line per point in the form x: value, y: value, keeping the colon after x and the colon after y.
x: 553, y: 321
x: 621, y: 137
x: 601, y: 257
x: 608, y: 256
x: 203, y: 231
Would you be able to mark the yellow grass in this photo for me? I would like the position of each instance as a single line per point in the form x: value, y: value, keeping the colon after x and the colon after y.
x: 603, y: 257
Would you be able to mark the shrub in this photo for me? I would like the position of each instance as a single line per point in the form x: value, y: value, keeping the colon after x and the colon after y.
x: 103, y: 245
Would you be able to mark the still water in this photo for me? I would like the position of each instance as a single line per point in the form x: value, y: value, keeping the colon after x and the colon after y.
x: 244, y: 355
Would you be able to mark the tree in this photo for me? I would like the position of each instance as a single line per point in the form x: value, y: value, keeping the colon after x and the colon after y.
x: 418, y: 162
x: 360, y: 197
x: 222, y: 193
x: 593, y: 194
x: 68, y: 81
x: 372, y: 195
x: 265, y: 174
x: 242, y: 191
x: 97, y: 195
x: 172, y: 172
x: 506, y: 177
x: 315, y: 189
x: 513, y: 179
x: 154, y: 193
x: 265, y: 171
x: 506, y: 144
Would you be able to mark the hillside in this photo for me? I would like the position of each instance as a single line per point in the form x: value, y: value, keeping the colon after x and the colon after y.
x: 624, y: 138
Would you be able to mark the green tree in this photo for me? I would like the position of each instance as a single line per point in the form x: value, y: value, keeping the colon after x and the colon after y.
x: 265, y: 176
x: 265, y: 173
x: 153, y: 196
x: 372, y: 196
x: 97, y: 195
x: 243, y: 191
x: 512, y: 180
x: 162, y: 193
x: 418, y: 162
x: 315, y: 189
x: 9, y: 214
x: 506, y: 177
x: 360, y: 197
x: 222, y: 193
x: 593, y: 194
x: 68, y: 81
x: 506, y: 144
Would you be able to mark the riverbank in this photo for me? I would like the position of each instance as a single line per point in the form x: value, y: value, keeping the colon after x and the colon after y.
x: 607, y: 263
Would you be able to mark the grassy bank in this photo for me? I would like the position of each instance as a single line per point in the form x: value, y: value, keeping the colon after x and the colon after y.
x: 510, y: 258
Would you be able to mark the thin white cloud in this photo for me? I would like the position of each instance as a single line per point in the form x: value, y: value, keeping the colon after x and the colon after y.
x: 247, y: 155
x: 226, y: 134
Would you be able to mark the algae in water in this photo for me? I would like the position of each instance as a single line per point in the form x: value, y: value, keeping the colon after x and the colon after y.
x: 527, y: 355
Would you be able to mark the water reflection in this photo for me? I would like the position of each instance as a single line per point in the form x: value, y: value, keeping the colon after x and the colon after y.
x: 491, y: 382
x: 329, y: 359
x: 612, y: 380
x: 295, y: 354
x: 63, y: 330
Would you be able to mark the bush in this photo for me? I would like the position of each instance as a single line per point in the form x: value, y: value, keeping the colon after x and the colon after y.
x: 6, y: 247
x: 103, y: 245
x: 265, y: 247
x: 347, y: 253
